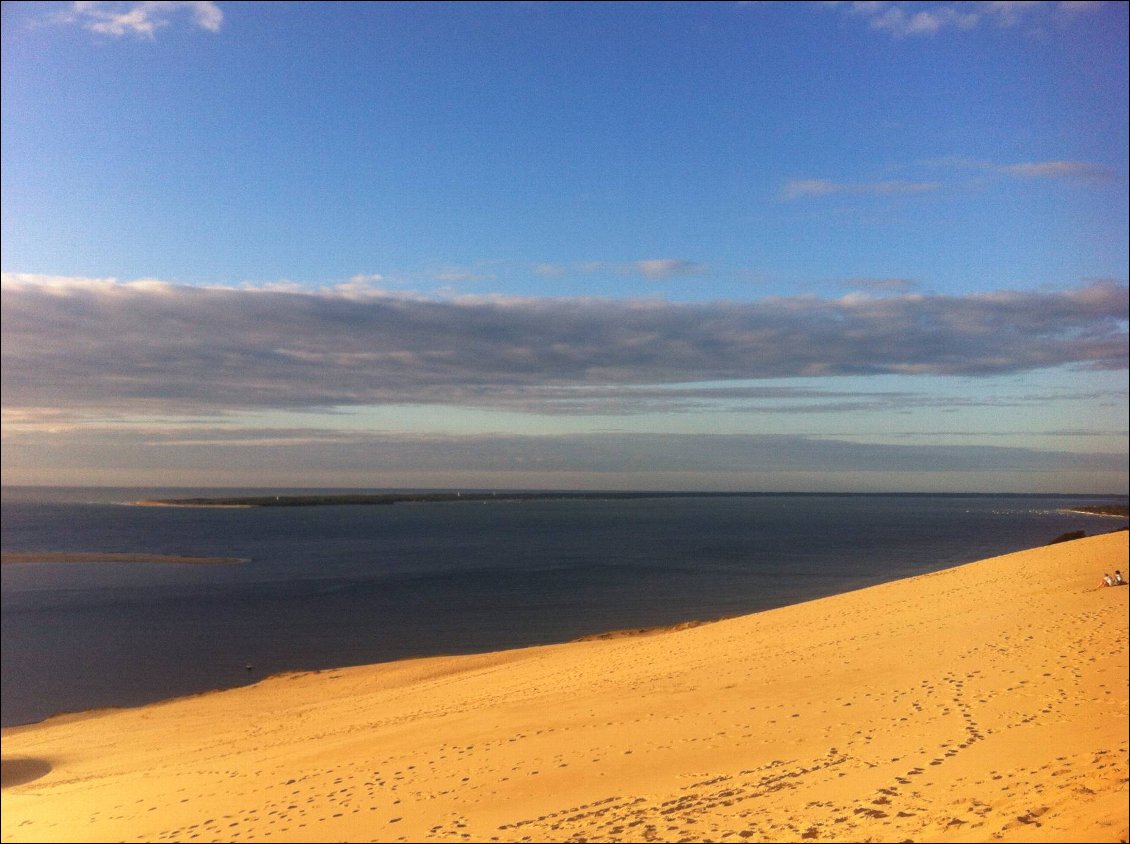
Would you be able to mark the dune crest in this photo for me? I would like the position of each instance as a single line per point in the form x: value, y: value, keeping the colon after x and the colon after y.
x: 985, y: 702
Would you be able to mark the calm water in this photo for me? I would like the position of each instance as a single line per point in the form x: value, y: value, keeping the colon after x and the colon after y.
x: 331, y: 586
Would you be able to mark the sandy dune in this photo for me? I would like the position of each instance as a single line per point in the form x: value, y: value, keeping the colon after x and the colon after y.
x: 981, y: 703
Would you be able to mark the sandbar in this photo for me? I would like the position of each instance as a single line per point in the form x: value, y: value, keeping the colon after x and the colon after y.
x: 1109, y: 511
x: 986, y: 702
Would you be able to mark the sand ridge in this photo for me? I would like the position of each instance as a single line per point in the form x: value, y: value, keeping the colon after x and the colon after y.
x: 985, y: 702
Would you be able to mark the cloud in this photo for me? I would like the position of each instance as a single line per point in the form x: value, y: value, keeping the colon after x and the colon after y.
x: 806, y: 188
x: 589, y: 455
x: 658, y: 268
x: 621, y: 401
x: 140, y: 19
x: 653, y: 268
x: 1087, y: 173
x: 1071, y: 7
x: 901, y: 22
x: 364, y: 279
x: 906, y: 20
x: 455, y: 275
x: 97, y: 345
x: 881, y: 285
x: 358, y: 285
x: 1076, y: 171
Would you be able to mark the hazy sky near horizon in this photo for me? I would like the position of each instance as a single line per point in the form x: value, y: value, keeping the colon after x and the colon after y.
x: 826, y: 246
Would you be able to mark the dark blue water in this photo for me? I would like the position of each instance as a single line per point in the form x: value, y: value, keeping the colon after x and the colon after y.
x: 331, y: 586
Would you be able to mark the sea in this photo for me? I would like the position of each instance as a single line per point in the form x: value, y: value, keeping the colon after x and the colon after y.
x: 329, y: 586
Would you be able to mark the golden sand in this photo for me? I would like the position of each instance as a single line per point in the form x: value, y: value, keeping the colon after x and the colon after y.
x: 986, y: 702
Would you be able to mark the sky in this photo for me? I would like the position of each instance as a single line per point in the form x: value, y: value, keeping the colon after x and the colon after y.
x: 872, y: 247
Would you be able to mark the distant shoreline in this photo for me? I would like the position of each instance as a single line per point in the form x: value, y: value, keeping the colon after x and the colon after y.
x: 11, y: 557
x: 389, y: 498
x: 186, y: 503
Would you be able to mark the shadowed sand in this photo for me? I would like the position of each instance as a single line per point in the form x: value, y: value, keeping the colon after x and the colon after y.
x: 986, y: 702
x: 20, y: 771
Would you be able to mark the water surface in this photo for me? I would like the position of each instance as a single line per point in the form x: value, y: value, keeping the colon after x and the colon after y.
x: 331, y: 586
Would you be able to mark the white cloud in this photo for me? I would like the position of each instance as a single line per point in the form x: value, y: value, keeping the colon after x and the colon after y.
x: 366, y: 278
x: 1079, y: 171
x: 141, y: 19
x: 900, y: 22
x: 456, y: 275
x: 1082, y: 172
x: 905, y: 20
x: 361, y: 283
x: 881, y: 285
x: 1087, y: 173
x: 1008, y: 13
x: 1071, y: 7
x: 657, y: 268
x: 653, y: 268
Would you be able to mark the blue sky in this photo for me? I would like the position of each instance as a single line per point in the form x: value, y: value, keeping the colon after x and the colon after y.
x: 704, y: 245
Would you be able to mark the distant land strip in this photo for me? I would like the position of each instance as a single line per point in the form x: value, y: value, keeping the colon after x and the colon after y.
x: 382, y: 498
x: 386, y: 498
x: 101, y: 557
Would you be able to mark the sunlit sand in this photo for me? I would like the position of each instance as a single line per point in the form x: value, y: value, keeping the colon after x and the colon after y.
x: 985, y: 702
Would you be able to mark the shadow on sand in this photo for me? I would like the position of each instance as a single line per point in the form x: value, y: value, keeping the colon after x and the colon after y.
x: 20, y: 771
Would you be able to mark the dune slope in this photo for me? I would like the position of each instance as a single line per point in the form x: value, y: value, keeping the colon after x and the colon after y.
x: 985, y: 702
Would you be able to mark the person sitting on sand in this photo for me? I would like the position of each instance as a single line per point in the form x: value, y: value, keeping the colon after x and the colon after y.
x: 1108, y: 580
x: 1118, y: 580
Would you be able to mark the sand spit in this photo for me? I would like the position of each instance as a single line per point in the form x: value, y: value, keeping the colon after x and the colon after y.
x: 1105, y: 512
x: 100, y: 557
x: 986, y: 702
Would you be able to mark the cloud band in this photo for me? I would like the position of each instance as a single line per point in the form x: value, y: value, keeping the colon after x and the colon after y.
x: 106, y: 346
